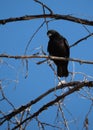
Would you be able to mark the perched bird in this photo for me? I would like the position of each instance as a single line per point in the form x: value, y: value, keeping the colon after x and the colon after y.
x: 58, y: 46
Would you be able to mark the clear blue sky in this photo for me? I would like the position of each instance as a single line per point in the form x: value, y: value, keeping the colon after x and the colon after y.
x: 13, y: 40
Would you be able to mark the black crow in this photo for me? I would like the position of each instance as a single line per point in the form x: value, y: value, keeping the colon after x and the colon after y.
x: 58, y: 46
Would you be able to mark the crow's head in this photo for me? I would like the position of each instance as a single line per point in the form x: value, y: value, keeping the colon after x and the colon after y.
x: 53, y: 34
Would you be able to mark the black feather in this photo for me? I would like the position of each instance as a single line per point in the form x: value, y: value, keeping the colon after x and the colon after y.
x: 58, y: 46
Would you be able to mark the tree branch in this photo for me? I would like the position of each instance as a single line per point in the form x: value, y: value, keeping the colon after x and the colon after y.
x: 51, y: 12
x: 77, y: 87
x: 52, y: 16
x: 46, y: 57
x: 84, y: 38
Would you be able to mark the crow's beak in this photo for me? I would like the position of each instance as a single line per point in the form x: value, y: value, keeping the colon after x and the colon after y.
x: 49, y: 34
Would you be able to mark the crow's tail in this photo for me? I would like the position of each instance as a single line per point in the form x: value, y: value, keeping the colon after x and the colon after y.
x: 62, y: 71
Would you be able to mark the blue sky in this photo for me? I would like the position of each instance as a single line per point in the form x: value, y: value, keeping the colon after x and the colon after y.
x: 13, y: 40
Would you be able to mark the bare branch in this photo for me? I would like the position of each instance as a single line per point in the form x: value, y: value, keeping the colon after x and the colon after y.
x: 51, y: 12
x: 84, y: 38
x: 33, y: 37
x: 52, y: 16
x: 5, y: 98
x: 77, y: 87
x: 47, y: 57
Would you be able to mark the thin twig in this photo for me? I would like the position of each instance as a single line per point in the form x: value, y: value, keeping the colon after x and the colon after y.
x: 5, y: 98
x: 51, y: 12
x: 33, y: 37
x: 84, y: 38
